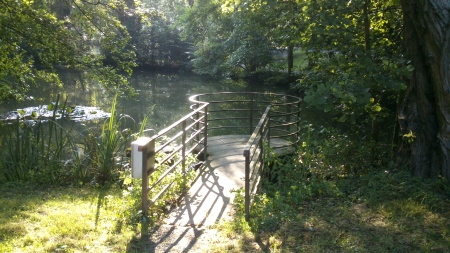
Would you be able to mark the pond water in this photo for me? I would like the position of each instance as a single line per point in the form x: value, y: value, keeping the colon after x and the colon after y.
x: 164, y: 96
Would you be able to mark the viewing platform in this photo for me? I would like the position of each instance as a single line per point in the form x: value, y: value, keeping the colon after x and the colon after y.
x: 231, y: 133
x: 210, y: 197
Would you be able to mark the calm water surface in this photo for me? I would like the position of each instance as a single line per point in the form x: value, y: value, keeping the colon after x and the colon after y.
x: 163, y: 96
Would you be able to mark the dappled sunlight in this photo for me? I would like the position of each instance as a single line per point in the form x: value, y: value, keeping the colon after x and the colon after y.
x: 334, y: 222
x: 58, y: 219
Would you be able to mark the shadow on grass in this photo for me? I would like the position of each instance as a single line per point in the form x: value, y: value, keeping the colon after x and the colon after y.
x: 22, y: 204
x: 186, y: 221
x: 385, y: 213
x: 102, y: 192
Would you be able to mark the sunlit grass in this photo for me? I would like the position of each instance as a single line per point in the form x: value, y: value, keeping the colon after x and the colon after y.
x: 61, y: 220
x: 335, y: 223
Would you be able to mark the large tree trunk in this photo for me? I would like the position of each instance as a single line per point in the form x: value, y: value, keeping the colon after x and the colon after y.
x: 425, y: 112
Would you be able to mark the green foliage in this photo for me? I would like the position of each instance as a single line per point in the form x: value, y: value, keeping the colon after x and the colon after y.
x: 131, y: 210
x: 350, y: 68
x: 155, y: 38
x: 378, y: 187
x: 38, y: 36
x: 51, y: 151
x: 337, y: 188
x: 228, y: 41
x: 109, y: 146
x: 36, y: 152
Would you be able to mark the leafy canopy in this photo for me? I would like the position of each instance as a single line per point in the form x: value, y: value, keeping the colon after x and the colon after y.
x: 38, y: 37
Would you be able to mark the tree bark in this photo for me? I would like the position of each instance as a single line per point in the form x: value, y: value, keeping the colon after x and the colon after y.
x: 425, y: 111
x: 290, y: 59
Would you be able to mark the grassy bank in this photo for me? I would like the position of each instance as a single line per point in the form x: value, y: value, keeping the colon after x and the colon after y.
x: 379, y: 212
x: 340, y: 193
x: 63, y: 219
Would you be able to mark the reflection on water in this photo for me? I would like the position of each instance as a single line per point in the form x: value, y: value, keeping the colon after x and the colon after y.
x: 164, y: 96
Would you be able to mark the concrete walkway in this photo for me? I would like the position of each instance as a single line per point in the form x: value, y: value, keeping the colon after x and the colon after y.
x: 208, y: 201
x: 210, y: 197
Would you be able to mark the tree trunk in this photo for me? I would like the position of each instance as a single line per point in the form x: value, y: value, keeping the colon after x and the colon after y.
x: 290, y: 58
x: 425, y: 111
x: 367, y: 47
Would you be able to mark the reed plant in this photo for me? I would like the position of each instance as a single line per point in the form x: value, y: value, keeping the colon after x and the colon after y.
x: 50, y: 151
x: 34, y: 150
x: 108, y: 150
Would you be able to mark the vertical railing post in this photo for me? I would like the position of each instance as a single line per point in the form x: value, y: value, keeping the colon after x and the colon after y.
x: 261, y: 147
x: 197, y: 125
x: 268, y: 126
x: 183, y: 149
x: 148, y: 164
x: 288, y: 118
x: 247, y: 184
x: 251, y: 113
x: 205, y: 144
x: 297, y: 136
x: 145, y: 181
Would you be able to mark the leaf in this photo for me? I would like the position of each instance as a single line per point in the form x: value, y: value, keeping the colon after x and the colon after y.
x: 376, y: 108
x: 343, y: 118
x: 127, y: 181
x: 21, y: 112
x: 272, y: 3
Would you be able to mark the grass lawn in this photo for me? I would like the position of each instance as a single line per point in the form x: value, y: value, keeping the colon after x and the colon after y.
x: 375, y: 213
x: 378, y: 212
x: 71, y: 219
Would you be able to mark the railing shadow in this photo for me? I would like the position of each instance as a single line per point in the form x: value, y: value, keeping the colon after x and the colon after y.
x: 209, y: 193
x: 188, y: 221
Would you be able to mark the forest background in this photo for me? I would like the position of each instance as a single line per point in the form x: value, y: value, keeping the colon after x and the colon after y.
x: 373, y: 76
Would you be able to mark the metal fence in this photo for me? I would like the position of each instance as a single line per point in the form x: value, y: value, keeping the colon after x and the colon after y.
x: 265, y: 117
x: 277, y: 119
x: 239, y: 112
x: 254, y: 158
x: 187, y: 136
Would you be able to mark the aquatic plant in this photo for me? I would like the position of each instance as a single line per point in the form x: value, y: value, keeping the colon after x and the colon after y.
x: 34, y: 150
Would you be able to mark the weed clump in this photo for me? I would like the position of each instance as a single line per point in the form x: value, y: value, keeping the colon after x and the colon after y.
x: 338, y: 194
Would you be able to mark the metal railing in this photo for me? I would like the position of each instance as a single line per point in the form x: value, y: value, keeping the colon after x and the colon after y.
x: 236, y: 113
x: 264, y: 116
x: 172, y: 145
x: 254, y: 158
x: 239, y: 112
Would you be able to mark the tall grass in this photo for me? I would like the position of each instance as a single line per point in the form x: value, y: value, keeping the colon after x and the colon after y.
x: 111, y: 143
x: 341, y: 194
x: 34, y: 148
x: 52, y: 152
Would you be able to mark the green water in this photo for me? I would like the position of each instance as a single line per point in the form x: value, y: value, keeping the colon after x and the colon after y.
x: 164, y: 96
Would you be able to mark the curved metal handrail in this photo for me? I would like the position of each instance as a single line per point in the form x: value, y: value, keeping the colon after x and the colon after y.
x: 239, y: 112
x: 278, y: 116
